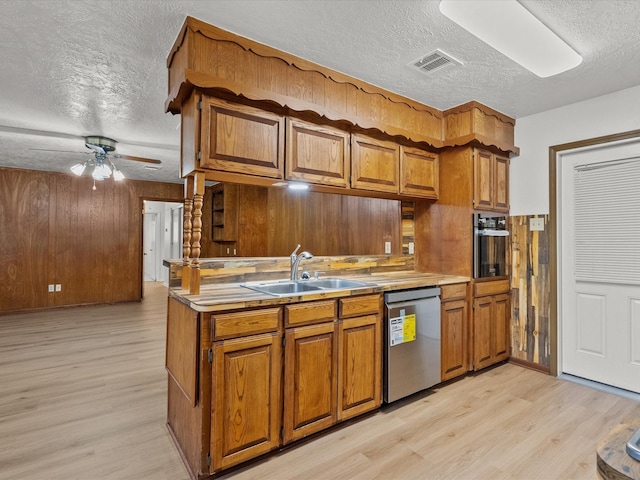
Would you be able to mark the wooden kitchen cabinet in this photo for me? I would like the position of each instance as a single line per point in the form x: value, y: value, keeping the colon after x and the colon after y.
x: 374, y: 164
x: 454, y: 321
x: 246, y: 385
x: 310, y: 372
x: 359, y: 355
x: 491, y: 181
x: 317, y: 154
x: 419, y: 173
x: 491, y: 319
x: 246, y: 398
x: 237, y: 138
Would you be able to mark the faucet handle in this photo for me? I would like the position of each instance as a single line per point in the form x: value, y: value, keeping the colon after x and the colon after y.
x: 316, y: 274
x: 295, y: 251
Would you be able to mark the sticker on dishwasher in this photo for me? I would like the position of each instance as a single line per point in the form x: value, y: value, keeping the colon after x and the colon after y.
x: 402, y: 329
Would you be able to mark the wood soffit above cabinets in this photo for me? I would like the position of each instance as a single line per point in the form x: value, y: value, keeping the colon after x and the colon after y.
x: 221, y: 63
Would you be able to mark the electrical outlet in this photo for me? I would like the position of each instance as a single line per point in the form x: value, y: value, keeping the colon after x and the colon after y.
x: 58, y: 287
x: 51, y: 287
x: 387, y: 247
x: 536, y: 224
x: 411, y: 248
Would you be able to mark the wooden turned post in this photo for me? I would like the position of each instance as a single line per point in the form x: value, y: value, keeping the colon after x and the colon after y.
x: 196, y: 233
x: 186, y: 232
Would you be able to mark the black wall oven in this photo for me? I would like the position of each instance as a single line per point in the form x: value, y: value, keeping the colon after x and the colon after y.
x: 490, y: 246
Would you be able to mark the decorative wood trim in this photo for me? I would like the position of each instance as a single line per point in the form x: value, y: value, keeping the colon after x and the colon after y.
x: 530, y: 365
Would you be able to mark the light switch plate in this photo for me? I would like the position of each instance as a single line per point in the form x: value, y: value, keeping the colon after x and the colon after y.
x: 536, y: 224
x: 411, y: 248
x: 51, y: 287
x: 387, y: 247
x: 58, y: 287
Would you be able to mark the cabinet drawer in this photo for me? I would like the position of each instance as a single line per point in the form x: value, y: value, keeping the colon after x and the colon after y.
x: 250, y: 322
x: 491, y: 288
x: 453, y: 292
x: 357, y: 306
x: 312, y: 312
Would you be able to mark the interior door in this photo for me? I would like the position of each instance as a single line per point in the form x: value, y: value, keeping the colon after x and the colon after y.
x: 149, y: 247
x: 599, y: 246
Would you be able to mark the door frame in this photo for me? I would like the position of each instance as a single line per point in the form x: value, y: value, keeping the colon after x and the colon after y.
x: 141, y: 201
x: 554, y: 151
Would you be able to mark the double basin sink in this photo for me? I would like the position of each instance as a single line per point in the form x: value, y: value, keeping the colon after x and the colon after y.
x: 282, y: 289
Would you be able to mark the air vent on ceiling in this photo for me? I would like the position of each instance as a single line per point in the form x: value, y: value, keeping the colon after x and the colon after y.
x: 433, y: 62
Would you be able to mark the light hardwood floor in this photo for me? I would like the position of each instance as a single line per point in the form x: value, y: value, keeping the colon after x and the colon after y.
x: 83, y: 396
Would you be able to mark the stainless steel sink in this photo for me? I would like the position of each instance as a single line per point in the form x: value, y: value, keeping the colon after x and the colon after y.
x: 282, y: 289
x: 337, y: 283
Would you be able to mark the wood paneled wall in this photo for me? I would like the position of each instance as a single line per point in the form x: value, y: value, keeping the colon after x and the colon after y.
x: 54, y: 229
x: 530, y: 285
x: 272, y: 221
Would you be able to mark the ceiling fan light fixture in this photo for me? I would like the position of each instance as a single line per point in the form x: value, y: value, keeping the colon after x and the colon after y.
x: 516, y: 33
x: 78, y: 168
x: 118, y: 175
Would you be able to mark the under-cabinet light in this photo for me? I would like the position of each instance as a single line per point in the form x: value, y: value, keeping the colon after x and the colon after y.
x: 512, y: 30
x: 298, y: 186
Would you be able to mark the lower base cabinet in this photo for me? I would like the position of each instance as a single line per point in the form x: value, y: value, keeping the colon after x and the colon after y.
x: 245, y: 398
x: 275, y: 375
x: 454, y: 321
x: 491, y: 316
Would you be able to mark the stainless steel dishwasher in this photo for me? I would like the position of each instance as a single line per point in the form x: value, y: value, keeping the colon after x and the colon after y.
x: 412, y: 342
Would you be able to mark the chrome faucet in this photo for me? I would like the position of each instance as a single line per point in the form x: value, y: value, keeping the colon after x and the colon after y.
x: 295, y: 261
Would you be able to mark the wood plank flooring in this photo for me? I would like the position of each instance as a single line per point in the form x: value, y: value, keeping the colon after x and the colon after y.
x: 83, y: 396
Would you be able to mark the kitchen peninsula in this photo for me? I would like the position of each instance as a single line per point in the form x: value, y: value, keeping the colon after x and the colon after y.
x: 250, y: 372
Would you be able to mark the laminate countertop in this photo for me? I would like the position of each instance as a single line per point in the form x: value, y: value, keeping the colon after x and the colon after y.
x: 232, y: 296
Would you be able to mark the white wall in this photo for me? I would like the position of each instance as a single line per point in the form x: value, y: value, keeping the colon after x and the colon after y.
x: 529, y: 175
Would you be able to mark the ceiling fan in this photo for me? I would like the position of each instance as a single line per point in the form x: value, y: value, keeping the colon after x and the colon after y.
x: 103, y: 151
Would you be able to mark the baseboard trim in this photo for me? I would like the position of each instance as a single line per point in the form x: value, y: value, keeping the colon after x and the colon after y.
x: 530, y: 365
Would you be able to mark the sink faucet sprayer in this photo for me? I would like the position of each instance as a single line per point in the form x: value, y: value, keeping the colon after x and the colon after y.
x: 295, y: 261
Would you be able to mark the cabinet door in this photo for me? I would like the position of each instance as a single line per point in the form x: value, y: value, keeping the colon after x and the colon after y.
x: 483, y: 179
x: 317, y: 154
x: 374, y: 164
x: 240, y: 139
x: 482, y: 326
x: 454, y: 356
x: 310, y: 383
x: 245, y: 398
x: 359, y: 365
x: 501, y: 337
x: 419, y: 173
x: 501, y: 184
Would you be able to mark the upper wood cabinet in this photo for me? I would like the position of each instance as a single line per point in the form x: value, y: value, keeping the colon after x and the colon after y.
x: 317, y: 154
x: 419, y: 173
x: 241, y: 139
x: 491, y: 181
x: 385, y: 166
x: 225, y: 213
x: 374, y: 164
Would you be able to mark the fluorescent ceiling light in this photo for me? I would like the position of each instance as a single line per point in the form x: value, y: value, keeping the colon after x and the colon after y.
x: 512, y: 30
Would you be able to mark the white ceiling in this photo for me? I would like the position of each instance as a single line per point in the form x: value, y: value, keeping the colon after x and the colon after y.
x: 98, y: 67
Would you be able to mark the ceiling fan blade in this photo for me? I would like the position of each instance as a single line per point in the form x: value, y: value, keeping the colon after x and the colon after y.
x: 62, y: 151
x: 137, y: 159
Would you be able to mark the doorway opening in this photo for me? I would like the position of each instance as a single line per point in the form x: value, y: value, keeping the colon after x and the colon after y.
x: 161, y: 238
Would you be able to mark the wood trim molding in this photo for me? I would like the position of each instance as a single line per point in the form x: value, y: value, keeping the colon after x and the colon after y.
x: 530, y: 365
x: 553, y: 231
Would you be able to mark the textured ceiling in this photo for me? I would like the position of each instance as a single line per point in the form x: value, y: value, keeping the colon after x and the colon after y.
x: 75, y: 68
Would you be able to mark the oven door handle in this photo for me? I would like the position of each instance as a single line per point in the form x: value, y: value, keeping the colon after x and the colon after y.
x: 486, y: 232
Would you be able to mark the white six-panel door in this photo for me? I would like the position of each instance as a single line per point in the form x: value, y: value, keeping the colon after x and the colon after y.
x: 599, y: 264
